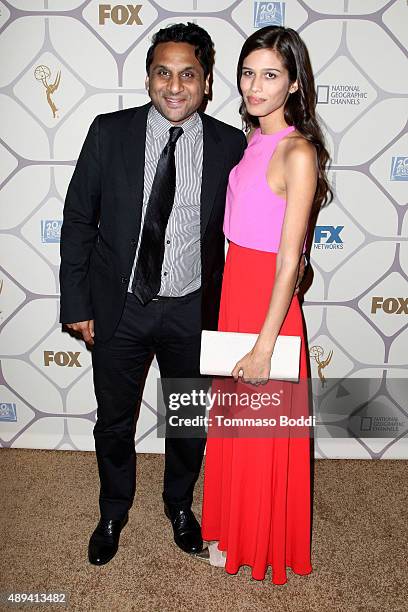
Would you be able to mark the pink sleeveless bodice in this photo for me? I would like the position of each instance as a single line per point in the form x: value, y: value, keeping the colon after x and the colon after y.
x: 253, y: 213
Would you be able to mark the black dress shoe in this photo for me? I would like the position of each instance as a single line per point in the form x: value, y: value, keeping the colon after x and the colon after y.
x: 104, y: 541
x: 186, y: 529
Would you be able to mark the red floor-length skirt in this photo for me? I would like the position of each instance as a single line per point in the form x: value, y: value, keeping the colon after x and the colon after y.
x: 257, y: 495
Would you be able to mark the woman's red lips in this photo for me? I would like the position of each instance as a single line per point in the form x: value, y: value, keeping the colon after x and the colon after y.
x: 253, y: 100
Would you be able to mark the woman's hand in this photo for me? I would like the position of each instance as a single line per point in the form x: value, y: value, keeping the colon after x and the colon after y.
x: 255, y: 367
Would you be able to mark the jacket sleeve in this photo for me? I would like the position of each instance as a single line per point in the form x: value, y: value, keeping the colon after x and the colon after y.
x: 79, y: 231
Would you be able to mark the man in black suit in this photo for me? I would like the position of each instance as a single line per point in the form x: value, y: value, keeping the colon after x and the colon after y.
x: 142, y: 257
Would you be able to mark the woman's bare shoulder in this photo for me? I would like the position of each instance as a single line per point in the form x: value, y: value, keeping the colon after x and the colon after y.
x: 297, y: 149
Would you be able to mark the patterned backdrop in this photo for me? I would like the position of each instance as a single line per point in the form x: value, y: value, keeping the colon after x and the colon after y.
x: 64, y: 61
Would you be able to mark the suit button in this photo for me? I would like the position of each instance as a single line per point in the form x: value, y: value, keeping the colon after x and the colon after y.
x: 124, y: 280
x: 133, y: 242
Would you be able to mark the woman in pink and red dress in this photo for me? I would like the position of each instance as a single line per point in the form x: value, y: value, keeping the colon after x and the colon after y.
x: 257, y: 493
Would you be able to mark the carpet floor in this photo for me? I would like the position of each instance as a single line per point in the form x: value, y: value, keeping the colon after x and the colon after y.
x: 49, y: 507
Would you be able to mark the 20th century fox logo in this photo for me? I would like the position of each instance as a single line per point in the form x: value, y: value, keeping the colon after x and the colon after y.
x: 120, y: 14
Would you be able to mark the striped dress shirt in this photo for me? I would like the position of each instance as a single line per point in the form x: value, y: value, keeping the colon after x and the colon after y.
x: 181, y: 269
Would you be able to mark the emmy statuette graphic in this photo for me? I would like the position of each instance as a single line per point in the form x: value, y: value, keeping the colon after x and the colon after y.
x: 42, y: 73
x: 317, y: 352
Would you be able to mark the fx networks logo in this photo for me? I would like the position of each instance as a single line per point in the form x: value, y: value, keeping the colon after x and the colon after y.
x: 340, y: 94
x: 391, y: 305
x: 43, y: 73
x: 399, y: 169
x: 51, y: 230
x: 269, y: 13
x: 8, y: 412
x: 120, y: 14
x: 61, y: 358
x: 328, y: 237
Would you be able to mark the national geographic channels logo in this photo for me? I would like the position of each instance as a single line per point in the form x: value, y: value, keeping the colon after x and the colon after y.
x: 381, y: 424
x: 389, y: 305
x: 340, y: 94
x: 269, y: 13
x: 120, y: 14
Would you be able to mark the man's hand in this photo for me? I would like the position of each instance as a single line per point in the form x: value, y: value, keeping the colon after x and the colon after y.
x: 302, y: 268
x: 85, y: 329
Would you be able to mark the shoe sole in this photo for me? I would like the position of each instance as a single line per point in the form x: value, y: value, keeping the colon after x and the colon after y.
x: 203, y: 559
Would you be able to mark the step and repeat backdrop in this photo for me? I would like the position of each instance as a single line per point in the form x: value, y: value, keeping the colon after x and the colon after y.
x: 65, y: 61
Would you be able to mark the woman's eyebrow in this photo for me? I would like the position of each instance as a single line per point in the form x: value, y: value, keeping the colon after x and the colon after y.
x: 248, y: 68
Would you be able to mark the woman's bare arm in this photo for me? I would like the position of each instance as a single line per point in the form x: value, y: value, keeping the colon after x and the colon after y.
x: 300, y: 170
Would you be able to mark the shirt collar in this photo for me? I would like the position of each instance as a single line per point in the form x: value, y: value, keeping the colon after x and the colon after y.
x: 160, y: 125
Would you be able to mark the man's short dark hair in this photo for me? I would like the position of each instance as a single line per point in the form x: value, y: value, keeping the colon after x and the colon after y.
x: 187, y: 33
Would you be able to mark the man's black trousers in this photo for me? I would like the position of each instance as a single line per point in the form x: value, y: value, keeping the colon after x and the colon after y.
x: 170, y: 329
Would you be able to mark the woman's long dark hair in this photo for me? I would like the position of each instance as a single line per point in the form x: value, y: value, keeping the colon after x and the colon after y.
x: 300, y: 107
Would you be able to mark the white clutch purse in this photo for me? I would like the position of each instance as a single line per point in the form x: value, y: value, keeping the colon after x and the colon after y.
x: 220, y: 351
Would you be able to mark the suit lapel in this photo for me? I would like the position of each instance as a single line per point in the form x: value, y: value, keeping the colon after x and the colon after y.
x: 213, y: 163
x: 134, y: 159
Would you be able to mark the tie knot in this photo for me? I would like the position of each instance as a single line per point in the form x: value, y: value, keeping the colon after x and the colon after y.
x: 175, y: 133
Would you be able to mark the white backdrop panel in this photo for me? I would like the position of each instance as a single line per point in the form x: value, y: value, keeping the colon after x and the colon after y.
x: 92, y: 56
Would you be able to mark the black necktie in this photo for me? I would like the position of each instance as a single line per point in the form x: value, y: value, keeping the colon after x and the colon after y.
x: 147, y: 279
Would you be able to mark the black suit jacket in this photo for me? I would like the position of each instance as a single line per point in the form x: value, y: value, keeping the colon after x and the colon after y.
x: 102, y: 217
